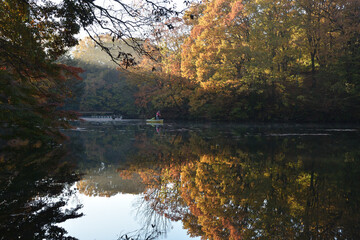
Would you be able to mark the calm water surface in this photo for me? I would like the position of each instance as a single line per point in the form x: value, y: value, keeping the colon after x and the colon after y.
x: 130, y: 180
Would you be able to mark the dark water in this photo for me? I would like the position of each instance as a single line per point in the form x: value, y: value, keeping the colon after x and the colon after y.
x: 129, y: 180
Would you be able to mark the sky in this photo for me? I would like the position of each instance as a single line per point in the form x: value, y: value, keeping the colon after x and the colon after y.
x: 179, y: 5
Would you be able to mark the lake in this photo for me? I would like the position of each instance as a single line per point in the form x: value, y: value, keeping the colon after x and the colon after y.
x: 131, y: 180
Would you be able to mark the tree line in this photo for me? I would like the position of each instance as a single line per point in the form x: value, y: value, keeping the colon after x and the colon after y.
x: 238, y: 60
x: 294, y: 60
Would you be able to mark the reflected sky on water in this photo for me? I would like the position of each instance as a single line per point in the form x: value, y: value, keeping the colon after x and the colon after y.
x: 112, y: 217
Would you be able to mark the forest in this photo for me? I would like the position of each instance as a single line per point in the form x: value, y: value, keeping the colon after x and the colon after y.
x: 282, y: 61
x: 225, y: 60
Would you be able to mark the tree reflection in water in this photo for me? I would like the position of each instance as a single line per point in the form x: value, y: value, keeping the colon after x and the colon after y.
x: 227, y: 183
x: 34, y: 186
x: 255, y: 187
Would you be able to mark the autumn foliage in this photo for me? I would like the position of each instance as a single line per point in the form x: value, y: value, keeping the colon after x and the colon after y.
x: 34, y: 86
x: 259, y: 61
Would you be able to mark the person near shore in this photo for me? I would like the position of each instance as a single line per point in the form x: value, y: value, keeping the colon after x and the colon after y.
x: 158, y: 115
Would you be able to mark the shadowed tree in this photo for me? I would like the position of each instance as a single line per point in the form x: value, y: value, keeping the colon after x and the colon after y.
x: 34, y: 34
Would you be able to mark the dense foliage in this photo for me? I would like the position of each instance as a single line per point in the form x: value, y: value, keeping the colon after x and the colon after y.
x: 294, y: 60
x: 261, y: 60
x: 32, y: 85
x: 35, y: 34
x: 104, y: 88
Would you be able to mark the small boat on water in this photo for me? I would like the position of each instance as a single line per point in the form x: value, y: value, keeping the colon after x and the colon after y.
x: 154, y: 120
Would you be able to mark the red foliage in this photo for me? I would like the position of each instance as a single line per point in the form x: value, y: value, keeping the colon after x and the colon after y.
x: 71, y: 71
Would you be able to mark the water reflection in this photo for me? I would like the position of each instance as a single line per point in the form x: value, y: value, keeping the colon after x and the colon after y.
x: 215, y: 181
x: 232, y: 182
x: 34, y: 187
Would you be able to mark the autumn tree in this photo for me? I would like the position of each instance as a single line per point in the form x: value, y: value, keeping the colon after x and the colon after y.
x: 213, y: 56
x: 266, y: 60
x: 158, y: 77
x: 34, y: 34
x: 32, y: 85
x: 330, y: 32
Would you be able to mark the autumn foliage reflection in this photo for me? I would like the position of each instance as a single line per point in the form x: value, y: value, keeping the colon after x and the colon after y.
x: 261, y: 188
